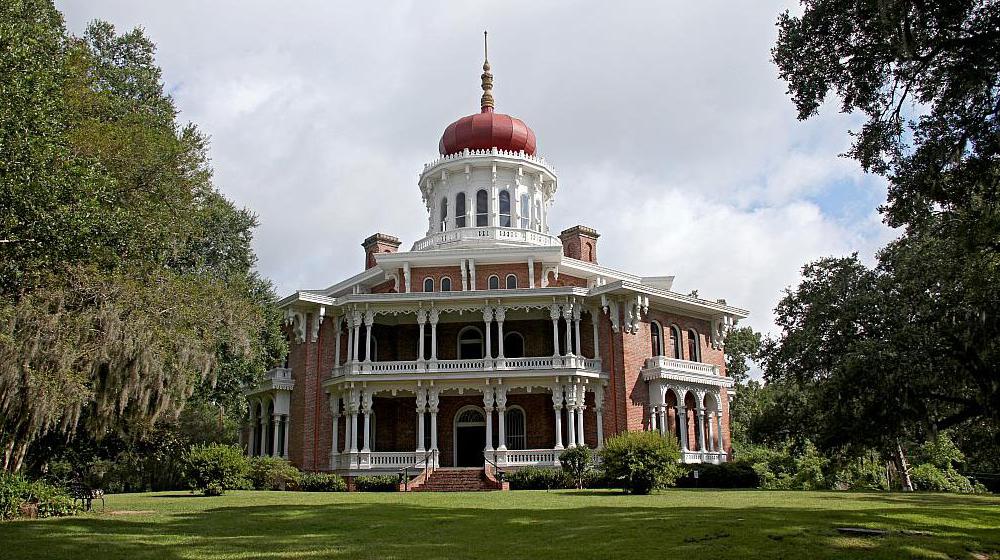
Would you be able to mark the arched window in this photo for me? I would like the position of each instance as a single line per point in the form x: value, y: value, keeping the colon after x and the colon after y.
x: 444, y: 214
x: 675, y: 342
x: 694, y: 353
x: 538, y: 216
x: 525, y: 212
x: 656, y: 338
x: 471, y: 416
x: 590, y: 252
x: 513, y: 345
x: 482, y: 208
x: 470, y: 344
x: 428, y: 284
x: 504, y: 209
x: 511, y: 282
x: 446, y: 284
x: 514, y: 428
x: 494, y: 282
x: 460, y: 210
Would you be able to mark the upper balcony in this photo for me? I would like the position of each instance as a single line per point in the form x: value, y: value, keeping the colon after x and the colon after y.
x: 487, y: 235
x: 685, y: 371
x: 485, y: 367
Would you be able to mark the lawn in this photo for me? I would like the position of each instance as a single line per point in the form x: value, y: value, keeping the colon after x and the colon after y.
x: 682, y: 524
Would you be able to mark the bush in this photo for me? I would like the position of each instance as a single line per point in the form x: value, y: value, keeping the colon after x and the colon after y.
x: 536, y: 478
x: 322, y: 482
x: 272, y: 473
x: 575, y: 463
x: 214, y: 468
x: 47, y: 500
x: 380, y: 483
x: 928, y: 477
x: 866, y: 472
x: 725, y: 475
x: 642, y: 461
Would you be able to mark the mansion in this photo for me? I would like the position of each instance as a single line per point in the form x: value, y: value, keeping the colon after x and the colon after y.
x: 491, y: 343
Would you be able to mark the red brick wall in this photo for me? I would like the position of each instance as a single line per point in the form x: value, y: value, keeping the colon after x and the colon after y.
x: 417, y: 276
x: 565, y: 280
x: 484, y: 271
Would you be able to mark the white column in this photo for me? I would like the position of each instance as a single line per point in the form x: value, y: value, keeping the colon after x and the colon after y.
x: 701, y: 428
x: 568, y: 316
x: 576, y: 329
x: 554, y: 314
x: 662, y: 412
x: 531, y: 268
x: 350, y: 338
x: 433, y: 401
x: 284, y: 444
x: 599, y: 409
x: 594, y: 318
x: 336, y: 344
x: 581, y: 438
x: 421, y: 320
x: 570, y: 425
x: 357, y: 335
x: 369, y: 321
x: 434, y: 335
x: 722, y: 444
x: 353, y: 438
x: 335, y: 435
x: 488, y: 319
x: 501, y: 418
x: 421, y: 409
x: 488, y: 406
x: 682, y: 415
x: 653, y: 418
x: 500, y: 314
x: 367, y: 409
x: 557, y: 404
x: 463, y: 270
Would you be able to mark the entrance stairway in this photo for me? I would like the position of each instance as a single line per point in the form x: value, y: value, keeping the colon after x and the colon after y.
x: 457, y: 480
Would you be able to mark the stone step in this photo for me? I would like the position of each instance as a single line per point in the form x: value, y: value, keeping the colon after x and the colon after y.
x: 456, y: 480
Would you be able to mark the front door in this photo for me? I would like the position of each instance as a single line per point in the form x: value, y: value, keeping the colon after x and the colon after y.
x: 470, y: 441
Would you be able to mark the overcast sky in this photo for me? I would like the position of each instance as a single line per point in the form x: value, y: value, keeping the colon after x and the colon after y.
x: 666, y: 122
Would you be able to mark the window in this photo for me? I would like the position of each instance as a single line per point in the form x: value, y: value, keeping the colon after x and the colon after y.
x: 460, y: 210
x: 494, y: 282
x: 656, y: 338
x: 470, y: 344
x: 511, y: 282
x: 428, y: 284
x: 444, y: 214
x: 693, y: 354
x: 504, y: 209
x: 471, y: 416
x: 482, y: 208
x: 675, y: 342
x: 525, y: 211
x: 514, y: 428
x: 446, y: 284
x: 538, y: 216
x: 590, y: 252
x: 513, y: 345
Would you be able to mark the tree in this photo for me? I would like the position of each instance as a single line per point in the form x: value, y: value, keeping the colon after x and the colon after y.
x: 743, y: 346
x: 641, y: 461
x: 575, y: 462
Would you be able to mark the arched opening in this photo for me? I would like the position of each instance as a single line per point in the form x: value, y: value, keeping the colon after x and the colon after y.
x: 361, y: 347
x: 446, y: 284
x: 589, y: 251
x: 694, y: 351
x: 673, y: 421
x: 504, y: 209
x: 513, y: 345
x: 470, y: 344
x: 525, y: 212
x: 444, y: 214
x: 269, y: 434
x: 494, y: 282
x: 511, y: 282
x: 460, y: 210
x: 428, y: 284
x: 469, y: 436
x: 675, y: 342
x: 656, y: 338
x: 482, y: 208
x: 711, y: 423
x: 691, y: 423
x: 514, y: 428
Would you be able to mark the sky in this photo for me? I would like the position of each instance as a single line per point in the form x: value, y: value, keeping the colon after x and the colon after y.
x: 667, y: 124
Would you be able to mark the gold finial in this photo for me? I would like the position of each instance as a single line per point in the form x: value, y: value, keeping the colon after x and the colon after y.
x: 486, y: 102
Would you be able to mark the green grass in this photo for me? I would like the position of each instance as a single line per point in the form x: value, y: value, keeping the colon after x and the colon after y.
x: 683, y: 524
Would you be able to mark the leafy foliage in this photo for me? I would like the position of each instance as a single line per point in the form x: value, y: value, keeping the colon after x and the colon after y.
x: 376, y: 483
x: 641, y: 461
x: 575, y: 463
x: 724, y: 475
x: 322, y: 482
x: 214, y: 468
x: 46, y: 499
x: 273, y: 473
x: 536, y: 478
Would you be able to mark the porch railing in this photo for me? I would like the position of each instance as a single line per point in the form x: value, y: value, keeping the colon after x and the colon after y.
x: 478, y: 364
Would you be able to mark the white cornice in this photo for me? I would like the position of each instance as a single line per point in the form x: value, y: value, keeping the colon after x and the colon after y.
x: 448, y: 257
x: 674, y: 299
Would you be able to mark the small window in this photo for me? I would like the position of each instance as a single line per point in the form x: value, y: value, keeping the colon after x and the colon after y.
x: 444, y: 214
x: 428, y: 284
x: 525, y: 212
x: 446, y: 284
x: 504, y: 209
x: 656, y: 338
x: 514, y: 428
x: 482, y: 208
x: 494, y: 282
x: 460, y: 210
x: 511, y: 282
x: 693, y: 351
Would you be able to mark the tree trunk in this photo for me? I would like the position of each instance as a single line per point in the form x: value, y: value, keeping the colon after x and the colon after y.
x: 904, y: 469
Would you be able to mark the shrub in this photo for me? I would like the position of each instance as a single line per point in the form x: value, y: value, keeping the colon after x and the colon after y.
x: 928, y: 477
x: 322, y: 482
x: 725, y: 475
x: 575, y: 463
x: 272, y: 473
x: 536, y: 478
x: 45, y: 499
x: 866, y: 472
x: 214, y: 468
x: 642, y: 461
x: 379, y: 483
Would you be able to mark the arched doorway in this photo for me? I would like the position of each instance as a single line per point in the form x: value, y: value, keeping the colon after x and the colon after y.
x: 470, y: 436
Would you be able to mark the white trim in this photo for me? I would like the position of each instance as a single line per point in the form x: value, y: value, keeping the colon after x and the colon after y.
x: 492, y: 276
x: 423, y: 285
x: 506, y: 284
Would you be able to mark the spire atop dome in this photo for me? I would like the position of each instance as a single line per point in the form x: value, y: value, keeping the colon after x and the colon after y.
x: 486, y: 102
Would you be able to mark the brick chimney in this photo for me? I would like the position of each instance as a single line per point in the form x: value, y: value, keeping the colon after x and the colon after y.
x: 379, y: 243
x: 580, y: 242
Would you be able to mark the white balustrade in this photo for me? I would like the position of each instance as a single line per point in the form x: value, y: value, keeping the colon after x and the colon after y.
x: 486, y: 233
x: 480, y: 364
x: 663, y: 362
x: 532, y: 457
